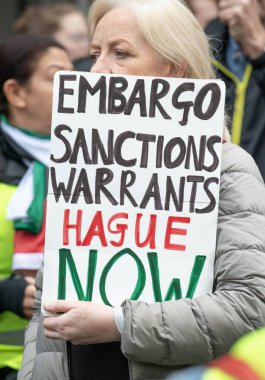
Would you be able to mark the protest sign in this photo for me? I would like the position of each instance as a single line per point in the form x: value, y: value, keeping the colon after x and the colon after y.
x: 133, y: 188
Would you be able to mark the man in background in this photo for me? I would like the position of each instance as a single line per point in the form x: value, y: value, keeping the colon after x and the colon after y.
x: 236, y: 29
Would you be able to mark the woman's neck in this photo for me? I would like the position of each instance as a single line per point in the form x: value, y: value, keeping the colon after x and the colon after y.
x: 27, y: 124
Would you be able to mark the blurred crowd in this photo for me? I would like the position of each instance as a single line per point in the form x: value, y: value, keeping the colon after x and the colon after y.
x: 55, y: 37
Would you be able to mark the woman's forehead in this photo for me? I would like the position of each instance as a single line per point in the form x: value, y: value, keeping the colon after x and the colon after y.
x: 121, y: 17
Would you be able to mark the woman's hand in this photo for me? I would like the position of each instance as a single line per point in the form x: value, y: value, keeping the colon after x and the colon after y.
x: 81, y: 322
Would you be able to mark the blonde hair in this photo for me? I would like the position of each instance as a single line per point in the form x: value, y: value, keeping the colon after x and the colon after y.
x: 170, y: 28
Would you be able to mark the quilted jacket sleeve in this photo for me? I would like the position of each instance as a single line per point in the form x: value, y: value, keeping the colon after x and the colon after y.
x: 43, y: 359
x: 29, y: 356
x: 191, y: 331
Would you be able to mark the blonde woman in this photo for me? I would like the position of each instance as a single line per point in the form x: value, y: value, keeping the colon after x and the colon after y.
x: 148, y: 341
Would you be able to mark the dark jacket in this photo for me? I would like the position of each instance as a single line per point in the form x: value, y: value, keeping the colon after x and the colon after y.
x: 12, y: 169
x: 12, y: 164
x: 245, y: 100
x: 11, y: 295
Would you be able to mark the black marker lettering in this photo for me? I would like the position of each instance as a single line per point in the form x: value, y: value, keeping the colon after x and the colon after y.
x: 103, y: 177
x: 152, y: 192
x: 85, y: 87
x: 169, y: 163
x: 155, y: 96
x: 68, y: 150
x: 65, y: 91
x: 145, y: 147
x: 137, y: 97
x: 98, y: 146
x: 118, y: 147
x: 80, y: 144
x: 214, y: 102
x: 60, y: 189
x: 124, y: 186
x: 171, y: 194
x: 194, y: 179
x: 117, y: 85
x: 189, y: 86
x: 82, y: 186
x: 212, y: 203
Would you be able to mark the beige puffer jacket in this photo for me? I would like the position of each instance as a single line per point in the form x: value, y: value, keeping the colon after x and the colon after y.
x: 159, y: 337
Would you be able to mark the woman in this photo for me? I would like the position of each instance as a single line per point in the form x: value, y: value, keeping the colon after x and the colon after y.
x: 62, y: 21
x: 161, y: 38
x: 28, y: 64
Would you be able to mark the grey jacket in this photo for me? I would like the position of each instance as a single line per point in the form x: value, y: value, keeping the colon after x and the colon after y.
x: 160, y: 337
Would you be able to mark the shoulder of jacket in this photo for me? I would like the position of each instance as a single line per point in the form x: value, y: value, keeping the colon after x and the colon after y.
x: 236, y: 160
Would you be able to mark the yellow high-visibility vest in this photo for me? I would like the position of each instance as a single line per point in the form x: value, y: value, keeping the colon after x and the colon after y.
x: 240, y: 97
x: 11, y: 326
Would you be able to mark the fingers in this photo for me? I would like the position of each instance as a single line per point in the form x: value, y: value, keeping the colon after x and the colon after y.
x: 28, y: 307
x: 30, y: 280
x: 56, y: 327
x: 28, y: 300
x: 51, y: 323
x: 60, y: 306
x: 30, y: 291
x: 51, y: 328
x: 234, y: 13
x: 52, y: 334
x: 28, y: 312
x: 85, y: 323
x: 226, y: 4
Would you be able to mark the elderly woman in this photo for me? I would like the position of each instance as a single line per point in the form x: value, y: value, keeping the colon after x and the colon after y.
x: 148, y: 341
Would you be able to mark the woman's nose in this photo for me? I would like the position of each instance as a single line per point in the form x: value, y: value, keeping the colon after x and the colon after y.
x: 101, y: 66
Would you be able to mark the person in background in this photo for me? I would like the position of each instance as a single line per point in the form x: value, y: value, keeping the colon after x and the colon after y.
x: 204, y: 10
x: 28, y: 64
x: 62, y: 21
x: 16, y: 294
x: 245, y: 361
x: 236, y: 29
x: 93, y: 341
x: 16, y: 297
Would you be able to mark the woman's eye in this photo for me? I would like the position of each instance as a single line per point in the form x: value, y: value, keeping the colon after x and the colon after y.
x: 121, y: 54
x: 93, y: 57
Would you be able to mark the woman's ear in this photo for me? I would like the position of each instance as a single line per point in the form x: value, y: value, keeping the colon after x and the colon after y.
x: 177, y: 71
x: 15, y: 93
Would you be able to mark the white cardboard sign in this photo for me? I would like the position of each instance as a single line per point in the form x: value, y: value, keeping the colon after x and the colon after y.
x: 133, y: 188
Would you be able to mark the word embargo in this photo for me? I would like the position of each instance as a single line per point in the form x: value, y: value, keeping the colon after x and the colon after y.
x: 113, y: 98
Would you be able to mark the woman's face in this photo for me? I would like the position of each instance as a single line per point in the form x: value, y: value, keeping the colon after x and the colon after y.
x: 118, y: 47
x: 38, y: 90
x: 73, y: 35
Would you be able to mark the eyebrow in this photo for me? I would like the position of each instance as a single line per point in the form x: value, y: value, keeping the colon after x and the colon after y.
x: 56, y: 66
x: 112, y: 42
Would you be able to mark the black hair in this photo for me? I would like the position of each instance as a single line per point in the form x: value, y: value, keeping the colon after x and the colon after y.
x: 19, y: 56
